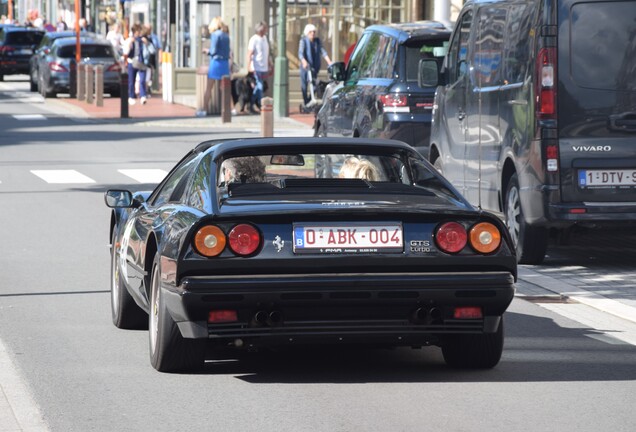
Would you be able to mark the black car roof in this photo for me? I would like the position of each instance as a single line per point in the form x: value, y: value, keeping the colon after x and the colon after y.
x: 257, y: 145
x: 413, y: 30
x: 12, y: 28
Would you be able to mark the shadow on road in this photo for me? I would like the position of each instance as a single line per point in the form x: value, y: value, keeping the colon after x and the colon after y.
x: 537, y: 349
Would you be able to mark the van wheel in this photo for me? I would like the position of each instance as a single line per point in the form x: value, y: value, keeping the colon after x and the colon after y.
x: 474, y: 351
x: 531, y: 242
x: 437, y: 164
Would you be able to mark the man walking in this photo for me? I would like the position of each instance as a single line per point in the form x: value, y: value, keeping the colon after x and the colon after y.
x: 259, y: 61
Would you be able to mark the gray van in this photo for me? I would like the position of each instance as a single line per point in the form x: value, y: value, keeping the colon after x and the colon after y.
x: 535, y: 114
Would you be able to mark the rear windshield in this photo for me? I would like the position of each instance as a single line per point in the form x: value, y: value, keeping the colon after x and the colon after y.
x: 22, y: 38
x: 435, y: 49
x: 68, y: 51
x: 603, y: 45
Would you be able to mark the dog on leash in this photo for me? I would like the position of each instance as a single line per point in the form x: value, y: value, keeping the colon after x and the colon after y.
x: 242, y: 90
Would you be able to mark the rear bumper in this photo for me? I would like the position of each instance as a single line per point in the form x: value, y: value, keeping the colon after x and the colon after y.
x: 397, y: 309
x: 413, y: 129
x: 598, y: 212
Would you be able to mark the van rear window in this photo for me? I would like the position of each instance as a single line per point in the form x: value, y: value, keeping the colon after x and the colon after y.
x: 23, y: 38
x: 603, y: 54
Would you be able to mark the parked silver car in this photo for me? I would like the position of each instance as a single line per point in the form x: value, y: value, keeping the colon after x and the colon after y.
x: 55, y: 67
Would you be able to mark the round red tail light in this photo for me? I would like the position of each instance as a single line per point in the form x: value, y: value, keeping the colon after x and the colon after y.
x: 244, y: 239
x: 451, y: 237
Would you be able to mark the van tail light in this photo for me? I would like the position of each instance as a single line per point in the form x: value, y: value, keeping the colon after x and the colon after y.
x: 451, y: 237
x: 209, y: 241
x: 485, y: 237
x: 394, y: 102
x: 546, y: 87
x: 552, y: 157
x: 244, y: 239
x: 6, y: 49
x: 57, y: 67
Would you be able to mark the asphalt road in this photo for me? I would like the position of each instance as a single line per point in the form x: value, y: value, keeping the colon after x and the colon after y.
x: 80, y: 373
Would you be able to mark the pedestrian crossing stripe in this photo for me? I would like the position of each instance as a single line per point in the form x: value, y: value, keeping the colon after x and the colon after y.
x: 145, y: 175
x: 62, y: 176
x: 29, y: 117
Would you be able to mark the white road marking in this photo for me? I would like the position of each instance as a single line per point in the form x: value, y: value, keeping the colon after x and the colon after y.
x: 18, y: 410
x: 62, y: 176
x: 29, y: 117
x: 145, y: 175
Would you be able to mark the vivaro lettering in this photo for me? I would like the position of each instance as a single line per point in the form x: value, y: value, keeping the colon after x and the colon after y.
x: 592, y: 148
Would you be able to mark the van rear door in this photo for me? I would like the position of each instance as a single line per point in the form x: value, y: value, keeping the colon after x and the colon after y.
x: 597, y: 102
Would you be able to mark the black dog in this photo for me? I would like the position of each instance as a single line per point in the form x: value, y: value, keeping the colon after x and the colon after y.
x: 242, y: 90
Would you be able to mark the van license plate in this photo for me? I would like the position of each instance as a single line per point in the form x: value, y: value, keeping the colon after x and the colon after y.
x: 605, y: 178
x: 348, y: 238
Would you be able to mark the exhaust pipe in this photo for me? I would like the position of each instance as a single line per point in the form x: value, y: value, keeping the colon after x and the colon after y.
x: 275, y: 318
x: 436, y: 315
x: 419, y: 315
x: 260, y: 318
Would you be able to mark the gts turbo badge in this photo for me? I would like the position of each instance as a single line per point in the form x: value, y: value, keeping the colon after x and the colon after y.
x: 592, y: 148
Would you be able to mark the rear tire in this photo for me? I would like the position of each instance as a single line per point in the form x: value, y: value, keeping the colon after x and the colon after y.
x: 437, y: 164
x: 169, y: 351
x: 531, y: 242
x: 125, y: 312
x: 474, y: 351
x: 33, y: 84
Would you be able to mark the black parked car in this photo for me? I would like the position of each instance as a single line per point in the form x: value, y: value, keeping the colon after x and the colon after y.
x: 16, y: 48
x: 378, y: 95
x: 245, y: 244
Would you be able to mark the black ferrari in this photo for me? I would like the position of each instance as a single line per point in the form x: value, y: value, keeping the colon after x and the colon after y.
x: 271, y: 242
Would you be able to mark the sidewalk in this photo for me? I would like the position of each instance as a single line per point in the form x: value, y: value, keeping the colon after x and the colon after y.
x: 161, y: 113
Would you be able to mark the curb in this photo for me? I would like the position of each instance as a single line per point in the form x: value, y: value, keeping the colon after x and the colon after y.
x: 580, y: 295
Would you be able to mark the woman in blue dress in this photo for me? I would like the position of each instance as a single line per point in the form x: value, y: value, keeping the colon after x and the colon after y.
x: 219, y: 53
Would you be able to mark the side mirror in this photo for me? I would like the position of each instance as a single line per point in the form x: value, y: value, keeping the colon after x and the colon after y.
x: 117, y: 198
x: 428, y: 73
x: 336, y: 71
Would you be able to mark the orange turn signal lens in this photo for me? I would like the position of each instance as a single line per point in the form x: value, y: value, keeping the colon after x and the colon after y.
x: 209, y: 241
x: 485, y: 237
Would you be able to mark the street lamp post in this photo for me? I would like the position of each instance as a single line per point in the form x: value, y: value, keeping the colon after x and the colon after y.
x: 281, y: 72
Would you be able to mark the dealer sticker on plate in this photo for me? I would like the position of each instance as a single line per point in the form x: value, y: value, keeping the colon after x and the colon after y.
x: 348, y: 238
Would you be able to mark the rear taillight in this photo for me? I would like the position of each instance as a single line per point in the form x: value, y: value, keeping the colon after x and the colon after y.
x: 57, y: 67
x: 485, y: 237
x: 552, y: 157
x: 114, y: 68
x: 546, y: 87
x: 467, y: 312
x: 222, y: 316
x: 451, y: 237
x: 6, y: 49
x: 209, y: 241
x: 244, y: 239
x: 394, y: 102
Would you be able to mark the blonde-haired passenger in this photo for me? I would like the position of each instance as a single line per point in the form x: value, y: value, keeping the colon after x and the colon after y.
x: 363, y: 169
x: 219, y: 53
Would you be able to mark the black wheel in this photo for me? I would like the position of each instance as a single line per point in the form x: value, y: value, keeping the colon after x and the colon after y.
x: 531, y: 242
x: 474, y: 351
x: 33, y: 82
x: 126, y: 313
x: 169, y: 351
x: 44, y: 90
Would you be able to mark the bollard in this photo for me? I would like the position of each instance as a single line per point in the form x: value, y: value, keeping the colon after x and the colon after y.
x: 199, y: 89
x: 99, y: 85
x: 123, y: 95
x: 226, y: 99
x: 267, y: 117
x: 72, y: 82
x: 81, y: 82
x: 90, y: 83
